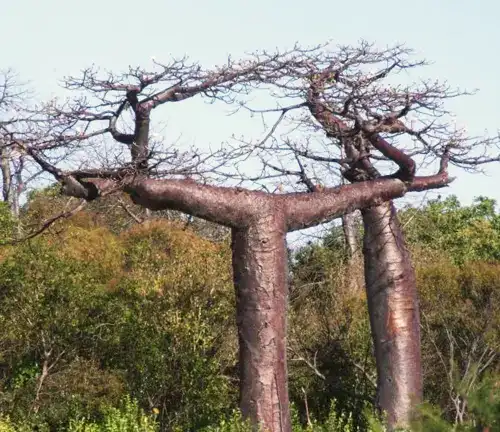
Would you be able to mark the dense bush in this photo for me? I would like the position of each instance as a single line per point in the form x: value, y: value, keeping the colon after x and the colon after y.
x: 110, y: 325
x: 90, y: 316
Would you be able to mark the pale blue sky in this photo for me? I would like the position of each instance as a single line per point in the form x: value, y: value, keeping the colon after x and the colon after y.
x: 46, y: 39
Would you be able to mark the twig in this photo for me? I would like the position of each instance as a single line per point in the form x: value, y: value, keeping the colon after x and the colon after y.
x: 130, y: 213
x: 48, y: 223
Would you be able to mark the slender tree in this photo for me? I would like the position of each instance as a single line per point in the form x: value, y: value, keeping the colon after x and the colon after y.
x: 350, y: 229
x: 17, y: 122
x: 259, y: 220
x: 12, y: 168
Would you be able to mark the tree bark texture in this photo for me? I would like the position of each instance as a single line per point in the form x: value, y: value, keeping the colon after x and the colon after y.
x: 260, y: 279
x: 389, y: 276
x: 394, y: 314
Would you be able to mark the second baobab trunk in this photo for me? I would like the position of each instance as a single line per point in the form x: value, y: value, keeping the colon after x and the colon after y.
x: 394, y: 314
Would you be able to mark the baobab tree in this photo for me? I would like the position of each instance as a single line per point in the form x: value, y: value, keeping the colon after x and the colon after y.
x: 161, y: 178
x: 355, y: 111
x: 389, y: 280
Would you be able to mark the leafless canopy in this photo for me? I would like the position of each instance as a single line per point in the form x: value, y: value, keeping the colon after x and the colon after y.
x: 314, y: 101
x: 15, y: 120
x: 350, y: 110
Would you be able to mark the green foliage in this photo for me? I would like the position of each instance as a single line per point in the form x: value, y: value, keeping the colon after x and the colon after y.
x: 334, y: 422
x: 45, y: 309
x: 465, y: 232
x: 458, y: 273
x: 322, y: 261
x: 232, y: 423
x: 7, y: 223
x: 484, y: 402
x: 329, y: 334
x: 460, y: 315
x: 183, y: 329
x: 111, y: 327
x: 90, y: 316
x: 128, y: 417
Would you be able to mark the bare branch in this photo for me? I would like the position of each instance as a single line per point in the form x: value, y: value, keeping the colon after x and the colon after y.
x: 46, y: 224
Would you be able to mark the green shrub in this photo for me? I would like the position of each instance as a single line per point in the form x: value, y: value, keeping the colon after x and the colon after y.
x: 128, y: 417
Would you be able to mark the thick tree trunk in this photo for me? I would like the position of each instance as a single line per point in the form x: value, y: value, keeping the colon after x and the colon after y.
x: 260, y: 277
x: 394, y: 313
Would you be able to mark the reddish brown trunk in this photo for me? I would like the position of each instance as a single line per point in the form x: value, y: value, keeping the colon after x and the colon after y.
x: 259, y: 263
x: 394, y: 314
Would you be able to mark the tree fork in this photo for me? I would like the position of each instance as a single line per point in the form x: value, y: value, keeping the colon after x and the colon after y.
x: 259, y: 221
